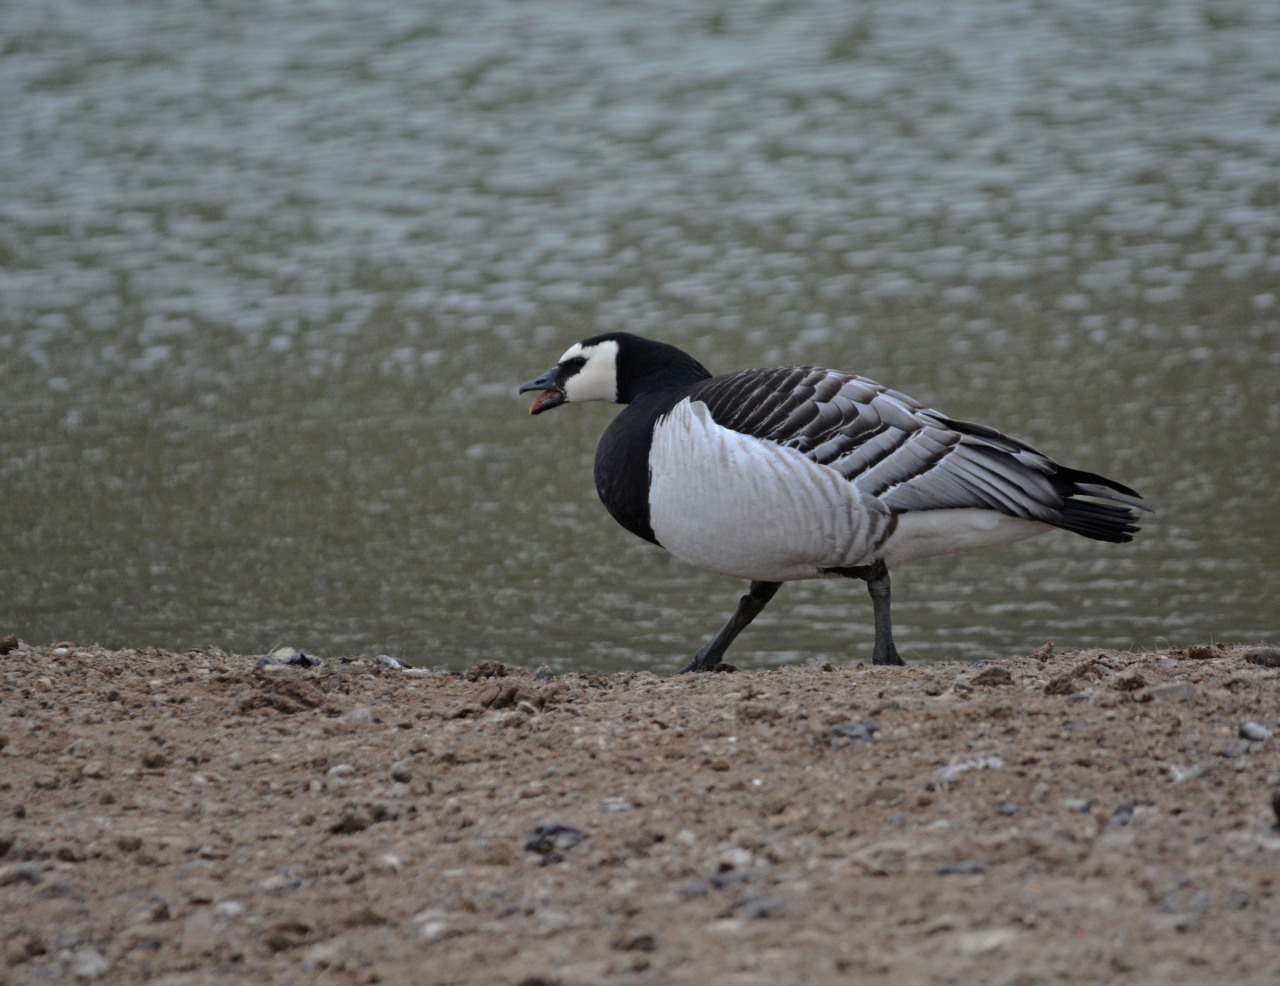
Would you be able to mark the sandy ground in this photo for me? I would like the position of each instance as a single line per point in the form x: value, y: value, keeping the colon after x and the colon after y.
x: 1079, y: 817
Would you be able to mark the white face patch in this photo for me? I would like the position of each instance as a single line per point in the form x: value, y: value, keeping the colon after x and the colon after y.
x: 597, y: 380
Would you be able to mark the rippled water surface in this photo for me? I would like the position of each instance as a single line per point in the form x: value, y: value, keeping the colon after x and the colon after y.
x: 271, y: 273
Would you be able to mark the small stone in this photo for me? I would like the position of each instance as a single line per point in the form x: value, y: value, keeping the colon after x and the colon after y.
x: 1122, y: 816
x: 387, y: 661
x: 1173, y: 691
x: 94, y: 768
x: 888, y: 793
x: 1254, y: 733
x: 434, y: 925
x: 964, y: 866
x: 760, y: 906
x: 340, y: 770
x: 1008, y: 810
x: 20, y: 873
x: 854, y: 732
x: 154, y: 760
x: 402, y: 771
x: 973, y: 763
x: 9, y: 644
x: 550, y: 838
x: 89, y: 963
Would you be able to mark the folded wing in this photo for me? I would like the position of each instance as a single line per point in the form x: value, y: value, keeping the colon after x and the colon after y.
x: 910, y: 457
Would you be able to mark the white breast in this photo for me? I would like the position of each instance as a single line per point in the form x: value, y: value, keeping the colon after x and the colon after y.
x: 740, y: 506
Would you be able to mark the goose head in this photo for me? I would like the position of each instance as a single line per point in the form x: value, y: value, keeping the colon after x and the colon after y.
x: 588, y: 371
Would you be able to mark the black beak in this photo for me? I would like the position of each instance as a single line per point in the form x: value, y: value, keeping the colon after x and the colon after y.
x: 552, y: 395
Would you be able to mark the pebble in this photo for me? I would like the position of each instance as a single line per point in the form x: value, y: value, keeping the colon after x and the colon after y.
x: 964, y: 866
x: 1173, y: 691
x: 402, y: 771
x: 89, y: 963
x: 433, y: 925
x: 20, y: 873
x: 387, y: 661
x: 973, y: 763
x: 550, y: 838
x: 760, y: 906
x: 1254, y: 733
x: 855, y: 732
x: 1008, y: 809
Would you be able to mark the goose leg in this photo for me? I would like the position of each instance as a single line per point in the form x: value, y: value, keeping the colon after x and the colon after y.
x: 877, y: 578
x: 878, y: 588
x: 749, y: 607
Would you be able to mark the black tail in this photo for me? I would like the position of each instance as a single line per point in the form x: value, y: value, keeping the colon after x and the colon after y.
x: 1100, y: 521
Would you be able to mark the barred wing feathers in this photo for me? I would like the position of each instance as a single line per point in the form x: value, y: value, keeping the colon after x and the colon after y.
x: 910, y: 457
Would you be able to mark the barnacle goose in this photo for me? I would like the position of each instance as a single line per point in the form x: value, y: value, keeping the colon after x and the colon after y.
x: 797, y: 472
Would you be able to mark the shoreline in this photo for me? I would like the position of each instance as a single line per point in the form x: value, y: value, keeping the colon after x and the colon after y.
x: 1081, y: 816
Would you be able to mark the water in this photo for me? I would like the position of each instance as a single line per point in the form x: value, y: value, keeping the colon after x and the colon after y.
x: 271, y: 273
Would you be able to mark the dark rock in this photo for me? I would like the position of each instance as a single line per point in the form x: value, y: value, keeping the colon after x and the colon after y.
x: 551, y: 838
x: 729, y: 877
x: 964, y: 866
x: 854, y: 732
